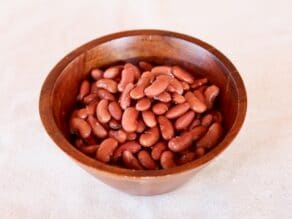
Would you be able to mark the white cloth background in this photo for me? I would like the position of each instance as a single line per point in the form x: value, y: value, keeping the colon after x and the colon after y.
x: 251, y: 179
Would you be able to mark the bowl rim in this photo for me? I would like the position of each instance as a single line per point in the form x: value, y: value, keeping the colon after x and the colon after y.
x: 46, y: 112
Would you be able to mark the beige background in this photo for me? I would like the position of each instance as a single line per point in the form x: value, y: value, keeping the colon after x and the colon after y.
x: 252, y: 179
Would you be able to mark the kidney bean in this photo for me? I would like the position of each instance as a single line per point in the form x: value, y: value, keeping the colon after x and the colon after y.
x: 146, y: 160
x: 160, y: 108
x: 131, y: 161
x: 90, y: 98
x: 91, y: 108
x: 93, y: 88
x: 149, y: 137
x: 176, y: 86
x: 106, y: 149
x: 96, y: 73
x: 163, y: 97
x: 98, y: 130
x: 149, y: 118
x: 185, y: 85
x: 113, y: 72
x: 197, y: 132
x: 84, y: 90
x: 198, y: 94
x: 177, y: 98
x: 145, y: 66
x: 125, y: 99
x: 79, y: 143
x: 185, y: 120
x: 129, y: 119
x: 166, y: 128
x: 210, y: 94
x: 202, y: 88
x: 136, y: 71
x: 90, y: 150
x: 163, y: 69
x: 167, y: 160
x: 158, y: 86
x: 170, y: 89
x: 195, y: 103
x: 212, y: 136
x: 143, y: 104
x: 131, y: 146
x: 128, y: 77
x: 119, y: 135
x: 199, y: 82
x: 195, y: 123
x: 138, y: 91
x: 104, y: 94
x: 81, y: 127
x: 186, y: 157
x: 217, y: 116
x: 82, y: 113
x: 200, y: 151
x: 148, y: 74
x: 141, y: 126
x: 102, y: 113
x: 131, y: 136
x: 184, y: 131
x: 90, y: 140
x: 115, y: 110
x: 114, y: 124
x: 157, y: 150
x: 182, y: 74
x: 177, y: 110
x: 207, y: 120
x: 107, y: 84
x: 180, y: 143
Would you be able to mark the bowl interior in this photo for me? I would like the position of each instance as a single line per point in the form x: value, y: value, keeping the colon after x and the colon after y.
x: 160, y: 48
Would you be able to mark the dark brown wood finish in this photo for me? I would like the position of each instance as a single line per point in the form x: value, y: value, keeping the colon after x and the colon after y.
x: 61, y: 86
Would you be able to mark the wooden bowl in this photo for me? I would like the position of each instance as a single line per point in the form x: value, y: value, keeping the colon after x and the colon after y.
x: 60, y: 88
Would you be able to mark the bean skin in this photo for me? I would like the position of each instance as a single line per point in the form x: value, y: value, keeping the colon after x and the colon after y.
x: 212, y: 137
x: 146, y: 160
x: 182, y: 74
x: 157, y: 150
x: 167, y: 160
x: 113, y: 72
x: 149, y: 118
x: 115, y: 110
x: 195, y: 103
x: 149, y: 137
x: 185, y: 120
x: 131, y: 161
x: 84, y: 90
x: 145, y: 66
x: 177, y: 110
x: 98, y: 130
x: 143, y: 104
x: 96, y: 74
x: 102, y: 112
x: 81, y: 127
x: 166, y: 128
x: 131, y: 146
x: 160, y: 108
x: 125, y: 99
x: 106, y: 149
x: 129, y: 119
x: 158, y: 86
x: 210, y: 94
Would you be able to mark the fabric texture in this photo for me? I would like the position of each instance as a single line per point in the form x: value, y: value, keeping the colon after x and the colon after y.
x: 251, y: 179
